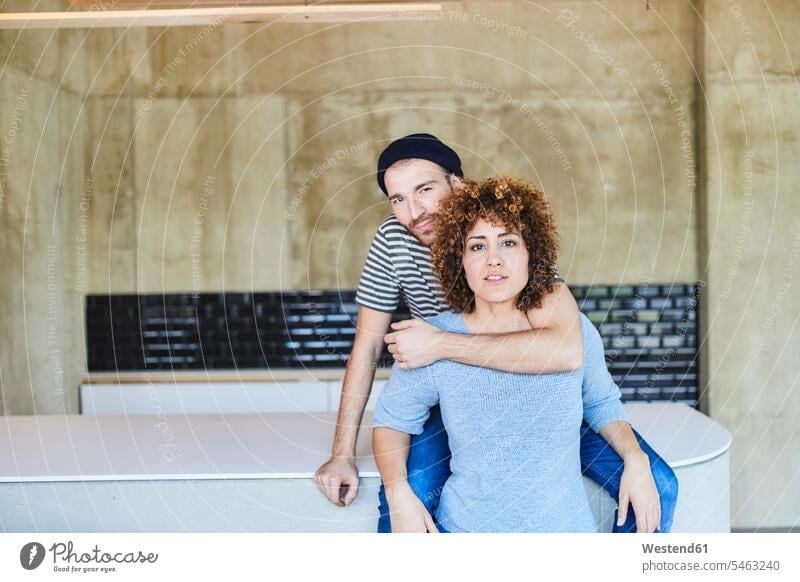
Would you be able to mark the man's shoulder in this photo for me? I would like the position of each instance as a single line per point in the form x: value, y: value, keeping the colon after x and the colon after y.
x: 390, y: 224
x: 392, y: 229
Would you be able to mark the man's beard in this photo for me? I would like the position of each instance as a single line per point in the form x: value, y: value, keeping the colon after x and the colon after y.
x: 423, y: 238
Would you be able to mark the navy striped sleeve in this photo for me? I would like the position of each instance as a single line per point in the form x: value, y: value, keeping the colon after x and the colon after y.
x: 379, y: 288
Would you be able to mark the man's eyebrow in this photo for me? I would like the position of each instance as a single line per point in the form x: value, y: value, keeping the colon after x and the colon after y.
x: 417, y: 187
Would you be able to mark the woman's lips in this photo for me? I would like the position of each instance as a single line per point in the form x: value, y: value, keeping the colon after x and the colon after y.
x: 499, y: 281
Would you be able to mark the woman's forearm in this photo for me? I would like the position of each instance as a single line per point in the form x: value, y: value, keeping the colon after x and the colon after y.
x: 390, y: 448
x: 620, y: 436
x: 408, y: 513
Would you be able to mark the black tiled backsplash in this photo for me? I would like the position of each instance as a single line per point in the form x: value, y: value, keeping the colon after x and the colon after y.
x: 649, y: 332
x: 222, y: 330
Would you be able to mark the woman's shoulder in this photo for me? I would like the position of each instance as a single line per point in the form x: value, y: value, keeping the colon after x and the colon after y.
x: 447, y: 321
x: 592, y: 340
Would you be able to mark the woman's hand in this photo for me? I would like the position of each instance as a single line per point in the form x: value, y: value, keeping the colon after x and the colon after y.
x: 638, y: 488
x: 407, y: 513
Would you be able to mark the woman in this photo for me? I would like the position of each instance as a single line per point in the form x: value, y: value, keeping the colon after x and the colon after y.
x: 514, y: 437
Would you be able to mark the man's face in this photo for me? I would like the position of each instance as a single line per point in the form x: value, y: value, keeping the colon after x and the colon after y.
x: 416, y: 187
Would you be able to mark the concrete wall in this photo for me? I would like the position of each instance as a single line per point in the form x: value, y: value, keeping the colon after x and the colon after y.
x: 42, y: 136
x: 515, y: 88
x: 189, y: 194
x: 750, y: 251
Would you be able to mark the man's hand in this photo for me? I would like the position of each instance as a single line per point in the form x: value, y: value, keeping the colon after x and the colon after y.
x: 408, y: 514
x: 638, y: 488
x: 414, y: 343
x: 338, y: 472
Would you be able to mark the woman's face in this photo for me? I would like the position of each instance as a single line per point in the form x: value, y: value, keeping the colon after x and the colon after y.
x: 495, y: 262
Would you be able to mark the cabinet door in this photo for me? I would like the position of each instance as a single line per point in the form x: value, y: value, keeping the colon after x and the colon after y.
x: 335, y: 390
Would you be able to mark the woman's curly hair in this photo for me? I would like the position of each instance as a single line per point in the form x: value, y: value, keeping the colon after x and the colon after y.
x: 501, y: 201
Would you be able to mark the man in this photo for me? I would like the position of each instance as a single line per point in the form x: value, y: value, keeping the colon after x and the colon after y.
x: 417, y: 172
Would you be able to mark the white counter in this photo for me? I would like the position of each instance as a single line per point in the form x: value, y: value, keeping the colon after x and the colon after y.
x: 223, y: 375
x: 211, y: 472
x: 195, y: 446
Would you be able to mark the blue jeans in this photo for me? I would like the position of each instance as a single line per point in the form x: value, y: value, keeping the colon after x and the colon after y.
x: 429, y: 468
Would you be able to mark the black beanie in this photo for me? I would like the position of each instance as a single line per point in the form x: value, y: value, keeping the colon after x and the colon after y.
x: 422, y: 146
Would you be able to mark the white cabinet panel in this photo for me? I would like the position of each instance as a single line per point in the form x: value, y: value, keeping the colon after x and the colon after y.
x: 205, y: 398
x: 377, y: 386
x: 336, y: 394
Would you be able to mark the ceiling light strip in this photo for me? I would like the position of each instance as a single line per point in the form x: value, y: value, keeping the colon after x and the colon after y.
x: 216, y: 15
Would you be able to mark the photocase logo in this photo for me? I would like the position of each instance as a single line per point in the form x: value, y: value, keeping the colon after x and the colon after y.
x: 31, y: 555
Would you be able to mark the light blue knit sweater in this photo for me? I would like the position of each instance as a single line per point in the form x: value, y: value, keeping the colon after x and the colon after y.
x: 515, y: 438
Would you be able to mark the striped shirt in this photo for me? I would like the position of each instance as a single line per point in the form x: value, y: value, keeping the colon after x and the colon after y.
x: 399, y: 265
